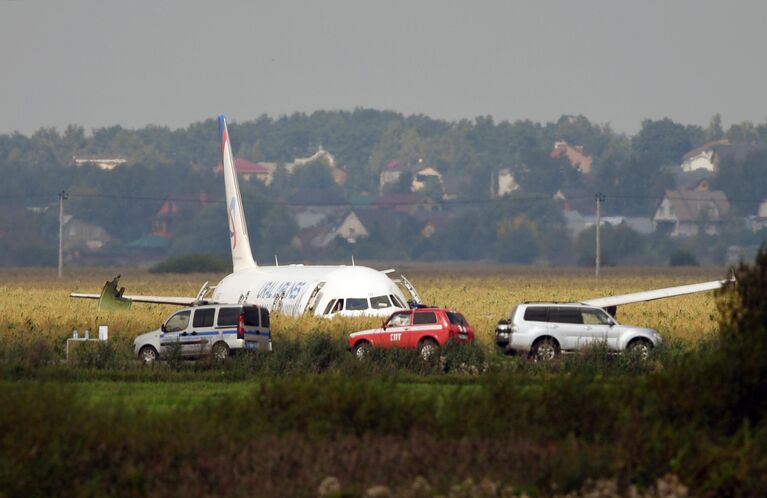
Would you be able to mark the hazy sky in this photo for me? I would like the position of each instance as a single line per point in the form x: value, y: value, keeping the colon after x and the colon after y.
x: 133, y: 63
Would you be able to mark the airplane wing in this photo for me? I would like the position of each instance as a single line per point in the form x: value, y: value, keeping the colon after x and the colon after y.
x: 636, y: 297
x: 181, y: 301
x: 112, y: 298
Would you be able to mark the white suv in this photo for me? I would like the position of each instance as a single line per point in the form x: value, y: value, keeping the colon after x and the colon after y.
x: 213, y: 329
x: 544, y: 330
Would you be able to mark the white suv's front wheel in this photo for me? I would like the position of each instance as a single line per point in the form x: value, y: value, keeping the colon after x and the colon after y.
x: 641, y: 348
x: 544, y: 350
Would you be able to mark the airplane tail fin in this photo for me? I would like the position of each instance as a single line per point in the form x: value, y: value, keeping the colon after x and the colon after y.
x: 238, y: 230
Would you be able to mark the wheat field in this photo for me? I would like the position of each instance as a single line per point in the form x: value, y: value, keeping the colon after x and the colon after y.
x: 35, y: 304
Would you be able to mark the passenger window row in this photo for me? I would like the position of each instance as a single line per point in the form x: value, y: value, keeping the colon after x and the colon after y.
x: 586, y: 316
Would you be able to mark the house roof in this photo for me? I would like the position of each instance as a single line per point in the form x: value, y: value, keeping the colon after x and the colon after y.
x: 575, y: 155
x: 244, y: 166
x: 724, y: 149
x: 691, y: 205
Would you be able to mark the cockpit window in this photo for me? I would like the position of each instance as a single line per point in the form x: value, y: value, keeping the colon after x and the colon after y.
x: 379, y: 302
x: 356, y: 303
x: 329, y: 306
x: 395, y: 300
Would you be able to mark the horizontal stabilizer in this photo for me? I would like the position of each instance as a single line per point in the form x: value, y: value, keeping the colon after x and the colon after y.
x: 651, y: 295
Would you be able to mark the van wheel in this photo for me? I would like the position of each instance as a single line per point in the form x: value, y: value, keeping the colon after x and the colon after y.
x: 545, y: 350
x: 427, y: 348
x: 147, y: 355
x: 220, y: 351
x: 641, y: 348
x: 362, y: 350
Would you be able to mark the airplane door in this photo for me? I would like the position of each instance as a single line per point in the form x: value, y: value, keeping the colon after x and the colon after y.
x: 170, y: 339
x: 315, y: 298
x: 397, y: 329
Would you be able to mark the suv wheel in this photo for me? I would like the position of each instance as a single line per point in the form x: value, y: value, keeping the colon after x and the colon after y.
x: 147, y: 355
x: 427, y: 348
x: 641, y: 348
x: 545, y: 350
x: 362, y: 350
x: 220, y: 351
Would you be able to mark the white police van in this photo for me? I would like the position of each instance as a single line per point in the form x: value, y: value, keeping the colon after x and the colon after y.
x: 208, y: 330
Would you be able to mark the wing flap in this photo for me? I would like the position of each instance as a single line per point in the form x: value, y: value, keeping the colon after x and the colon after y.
x: 651, y: 295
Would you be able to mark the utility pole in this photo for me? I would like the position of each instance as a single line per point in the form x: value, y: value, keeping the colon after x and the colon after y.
x: 63, y: 195
x: 599, y: 198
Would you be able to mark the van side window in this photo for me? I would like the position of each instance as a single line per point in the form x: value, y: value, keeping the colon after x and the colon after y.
x: 228, y: 317
x: 251, y: 315
x: 265, y: 318
x: 203, y: 317
x: 536, y: 314
x: 424, y: 318
x: 565, y: 315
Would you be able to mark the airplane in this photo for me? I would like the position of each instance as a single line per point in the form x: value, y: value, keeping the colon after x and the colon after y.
x: 293, y: 290
x: 322, y: 290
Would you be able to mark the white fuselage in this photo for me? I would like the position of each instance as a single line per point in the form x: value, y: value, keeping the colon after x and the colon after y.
x: 296, y: 289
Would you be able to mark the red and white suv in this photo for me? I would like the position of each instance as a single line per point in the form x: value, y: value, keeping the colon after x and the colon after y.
x: 425, y: 329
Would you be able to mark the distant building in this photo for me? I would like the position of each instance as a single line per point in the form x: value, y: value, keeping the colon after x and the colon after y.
x: 351, y: 228
x: 105, y: 162
x: 709, y: 156
x: 421, y: 174
x: 247, y: 170
x: 80, y: 236
x: 759, y: 221
x: 574, y: 154
x: 687, y: 213
x: 162, y: 221
x: 506, y: 183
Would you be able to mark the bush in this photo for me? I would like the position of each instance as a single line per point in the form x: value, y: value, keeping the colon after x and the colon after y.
x: 192, y: 263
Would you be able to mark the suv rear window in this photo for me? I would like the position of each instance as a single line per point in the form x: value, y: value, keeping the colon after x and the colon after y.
x: 424, y: 318
x: 264, y: 318
x: 536, y: 314
x: 203, y: 317
x: 228, y: 317
x: 251, y: 315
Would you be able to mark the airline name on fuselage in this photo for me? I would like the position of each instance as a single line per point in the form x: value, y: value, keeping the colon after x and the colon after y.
x: 275, y: 288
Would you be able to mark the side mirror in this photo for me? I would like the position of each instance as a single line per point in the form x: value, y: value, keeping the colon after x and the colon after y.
x: 162, y: 328
x: 383, y: 325
x: 611, y: 322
